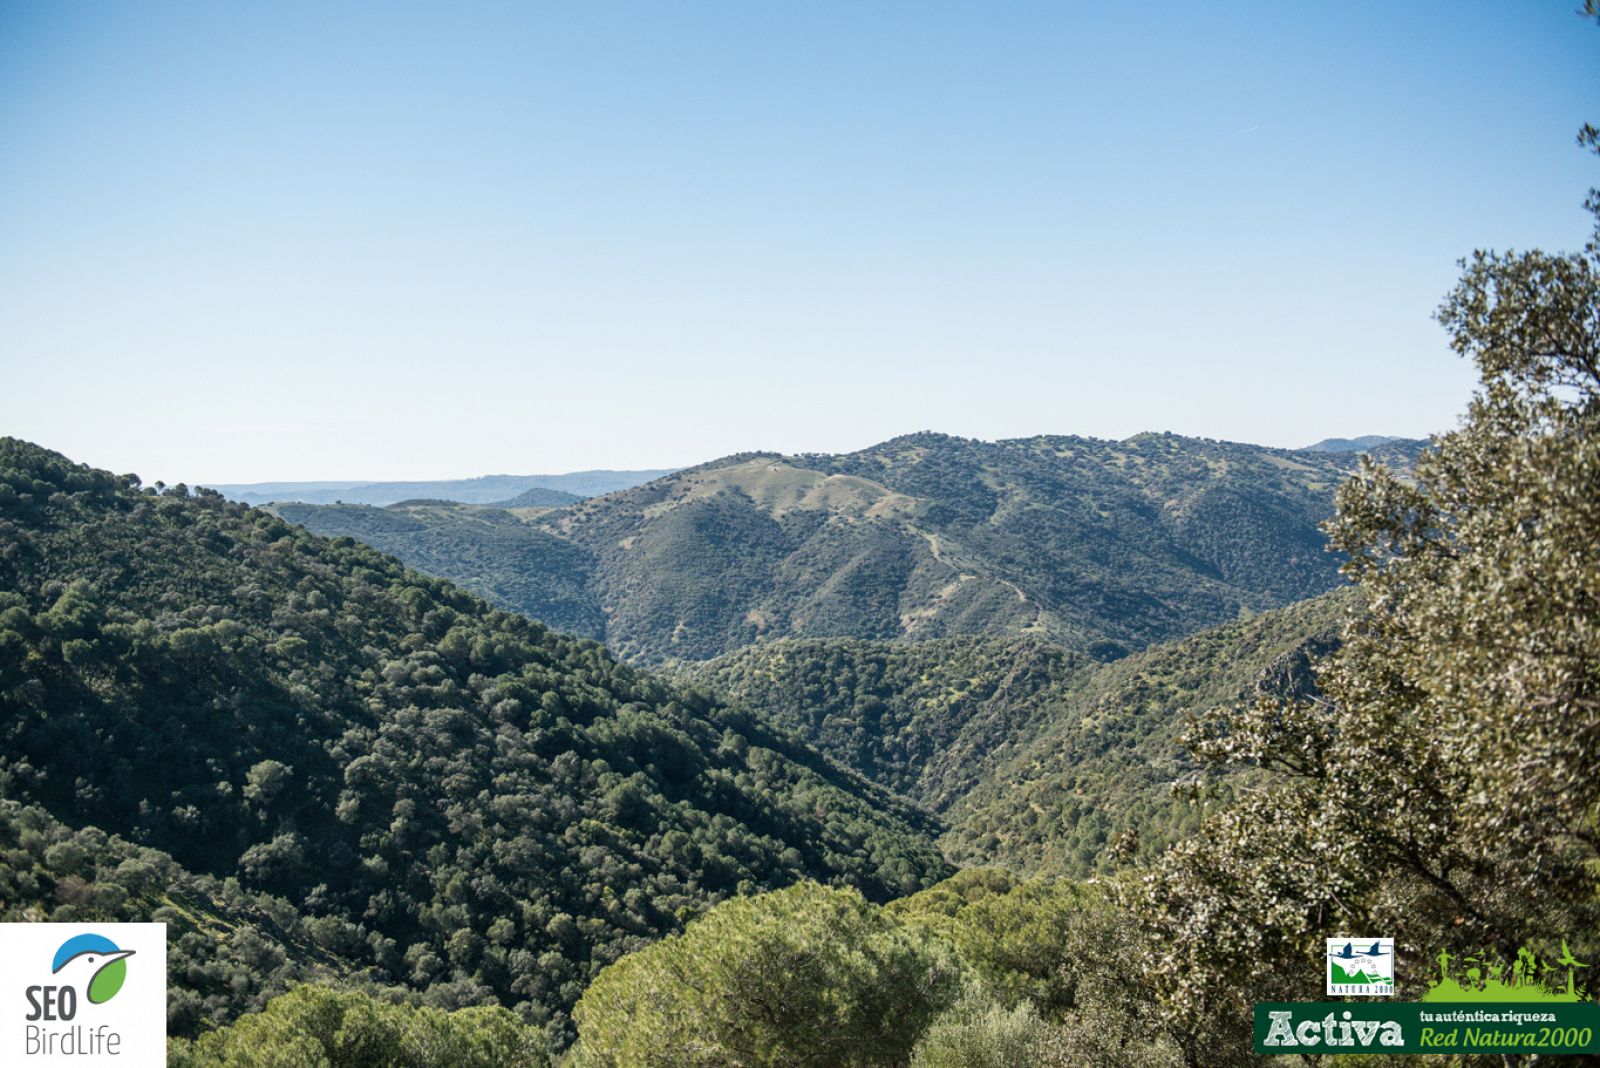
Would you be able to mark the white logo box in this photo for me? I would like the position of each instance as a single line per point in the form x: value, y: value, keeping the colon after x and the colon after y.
x: 128, y: 1030
x: 1372, y: 956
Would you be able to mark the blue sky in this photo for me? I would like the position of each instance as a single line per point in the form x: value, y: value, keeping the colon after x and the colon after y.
x: 280, y: 241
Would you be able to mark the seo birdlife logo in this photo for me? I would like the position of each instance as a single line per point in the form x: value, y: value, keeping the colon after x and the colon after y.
x: 83, y: 995
x: 98, y: 958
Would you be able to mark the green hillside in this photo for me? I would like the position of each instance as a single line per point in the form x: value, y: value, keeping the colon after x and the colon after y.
x: 1035, y: 756
x: 1103, y: 546
x: 922, y: 718
x: 459, y: 799
x: 491, y: 551
x: 229, y: 948
x: 1108, y: 752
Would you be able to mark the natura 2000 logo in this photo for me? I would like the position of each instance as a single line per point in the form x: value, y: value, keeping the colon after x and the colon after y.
x: 1363, y: 966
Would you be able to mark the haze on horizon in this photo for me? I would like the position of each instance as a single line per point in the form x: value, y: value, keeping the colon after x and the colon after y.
x: 396, y: 242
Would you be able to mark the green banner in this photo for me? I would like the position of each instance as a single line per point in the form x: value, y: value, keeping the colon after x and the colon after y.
x: 1338, y: 1027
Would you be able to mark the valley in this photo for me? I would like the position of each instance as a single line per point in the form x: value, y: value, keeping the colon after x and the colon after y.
x: 236, y: 695
x: 901, y: 654
x: 954, y: 708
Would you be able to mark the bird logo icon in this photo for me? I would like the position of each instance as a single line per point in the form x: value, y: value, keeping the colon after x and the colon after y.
x: 95, y: 964
x: 1360, y: 966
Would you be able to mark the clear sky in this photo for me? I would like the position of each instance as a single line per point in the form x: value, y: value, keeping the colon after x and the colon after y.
x: 290, y: 241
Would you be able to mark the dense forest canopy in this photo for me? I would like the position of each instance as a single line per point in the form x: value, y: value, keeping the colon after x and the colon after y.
x: 461, y: 800
x: 1034, y: 756
x: 1101, y: 780
x: 921, y: 718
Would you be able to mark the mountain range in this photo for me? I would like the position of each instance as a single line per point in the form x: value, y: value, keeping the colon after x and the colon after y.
x: 509, y: 490
x: 1102, y: 547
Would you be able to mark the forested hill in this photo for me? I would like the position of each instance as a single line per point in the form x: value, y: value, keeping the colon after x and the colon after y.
x: 1037, y: 757
x: 458, y: 798
x: 923, y: 718
x: 1104, y: 759
x: 1103, y: 546
x: 490, y: 550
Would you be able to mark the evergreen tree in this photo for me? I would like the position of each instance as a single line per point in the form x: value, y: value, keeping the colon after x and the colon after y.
x: 1445, y: 784
x: 807, y: 975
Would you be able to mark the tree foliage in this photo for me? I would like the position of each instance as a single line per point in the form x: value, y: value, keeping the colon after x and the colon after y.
x: 318, y: 1027
x: 978, y: 1032
x: 457, y: 799
x: 1445, y: 785
x: 1014, y: 935
x: 803, y: 976
x: 1054, y: 968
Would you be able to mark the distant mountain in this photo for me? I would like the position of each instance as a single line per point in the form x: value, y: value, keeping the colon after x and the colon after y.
x: 540, y: 497
x: 1361, y: 444
x: 454, y: 798
x: 488, y: 489
x: 1103, y: 546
